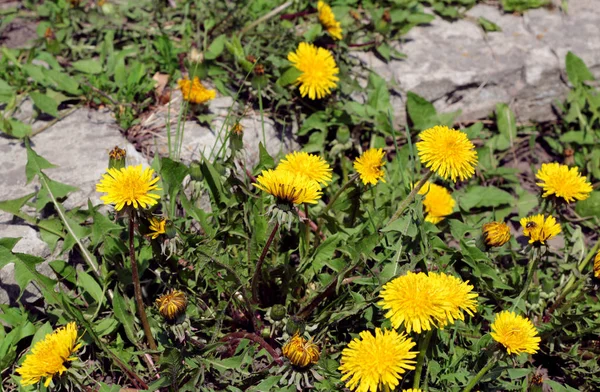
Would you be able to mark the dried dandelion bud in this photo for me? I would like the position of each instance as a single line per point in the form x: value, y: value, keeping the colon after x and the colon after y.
x: 237, y: 128
x: 259, y: 69
x: 172, y: 304
x: 196, y: 56
x: 251, y: 58
x: 116, y: 158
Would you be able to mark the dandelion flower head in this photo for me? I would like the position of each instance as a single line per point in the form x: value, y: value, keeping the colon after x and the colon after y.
x: 49, y: 356
x: 131, y: 185
x: 421, y: 302
x: 538, y: 229
x: 288, y: 187
x: 563, y: 182
x: 327, y: 18
x: 318, y: 70
x: 516, y: 333
x: 195, y: 92
x: 301, y: 352
x: 447, y: 152
x: 172, y: 304
x: 371, y: 361
x: 157, y: 227
x: 312, y: 166
x: 597, y: 265
x: 438, y: 202
x: 496, y: 233
x: 370, y: 166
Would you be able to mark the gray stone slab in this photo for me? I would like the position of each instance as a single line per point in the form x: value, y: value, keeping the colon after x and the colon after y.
x: 459, y: 67
x: 203, y: 140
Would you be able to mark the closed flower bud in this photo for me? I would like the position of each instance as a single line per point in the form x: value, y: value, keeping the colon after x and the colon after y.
x: 170, y: 230
x: 172, y: 304
x: 278, y: 312
x: 116, y: 158
x: 294, y: 326
x: 496, y: 233
x: 301, y: 352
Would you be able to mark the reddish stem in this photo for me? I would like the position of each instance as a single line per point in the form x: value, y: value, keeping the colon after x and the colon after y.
x: 296, y: 14
x: 256, y: 339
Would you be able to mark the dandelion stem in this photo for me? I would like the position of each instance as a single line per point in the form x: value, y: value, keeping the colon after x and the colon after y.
x: 410, y: 197
x: 530, y: 271
x: 338, y: 193
x: 136, y: 284
x: 423, y: 344
x: 479, y: 375
x: 569, y: 286
x: 259, y: 263
x: 306, y: 230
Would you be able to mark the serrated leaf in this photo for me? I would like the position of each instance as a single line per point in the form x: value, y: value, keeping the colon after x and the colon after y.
x: 35, y: 164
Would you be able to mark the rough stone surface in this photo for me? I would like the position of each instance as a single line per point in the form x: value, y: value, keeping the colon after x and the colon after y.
x: 201, y: 140
x: 458, y: 66
x: 79, y: 146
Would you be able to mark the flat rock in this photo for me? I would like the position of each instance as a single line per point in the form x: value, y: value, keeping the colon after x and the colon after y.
x: 78, y: 145
x: 206, y: 139
x: 459, y: 67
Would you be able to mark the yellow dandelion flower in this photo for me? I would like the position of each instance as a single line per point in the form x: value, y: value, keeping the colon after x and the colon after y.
x: 172, y: 304
x: 564, y: 182
x: 447, y: 152
x: 369, y: 165
x: 516, y: 333
x: 129, y: 186
x: 238, y: 129
x: 301, y: 352
x: 496, y: 233
x: 157, y: 227
x: 289, y: 187
x: 380, y: 360
x: 597, y: 265
x: 328, y: 21
x: 422, y: 302
x: 195, y: 92
x: 538, y: 229
x: 438, y: 202
x: 318, y: 69
x: 309, y: 165
x: 49, y: 356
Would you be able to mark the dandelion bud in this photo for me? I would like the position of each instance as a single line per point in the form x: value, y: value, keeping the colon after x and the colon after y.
x: 259, y: 69
x: 294, y: 326
x: 172, y: 304
x: 496, y: 233
x: 278, y: 312
x: 238, y: 129
x: 116, y: 158
x: 301, y: 352
x: 170, y: 230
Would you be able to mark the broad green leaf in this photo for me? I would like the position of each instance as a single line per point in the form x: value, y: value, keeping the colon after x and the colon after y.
x: 487, y: 25
x: 214, y: 182
x: 589, y: 206
x: 90, y: 286
x: 215, y: 48
x: 379, y: 96
x: 577, y: 71
x: 6, y: 92
x: 484, y: 196
x: 125, y: 316
x: 89, y: 66
x: 15, y: 128
x: 289, y: 76
x: 64, y: 270
x: 420, y: 111
x: 36, y: 73
x: 507, y: 124
x: 45, y: 103
x: 63, y: 82
x: 41, y: 333
x: 14, y: 206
